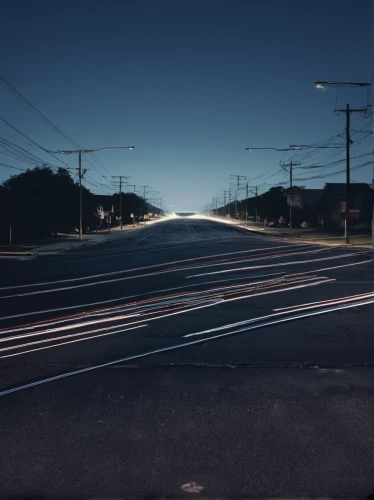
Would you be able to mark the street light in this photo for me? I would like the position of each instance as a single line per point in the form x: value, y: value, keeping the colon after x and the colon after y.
x: 328, y: 83
x: 291, y: 148
x: 348, y: 111
x: 318, y: 146
x: 92, y: 150
x: 80, y: 175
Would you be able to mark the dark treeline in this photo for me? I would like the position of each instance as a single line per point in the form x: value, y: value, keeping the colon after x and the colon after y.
x: 41, y: 202
x: 270, y: 205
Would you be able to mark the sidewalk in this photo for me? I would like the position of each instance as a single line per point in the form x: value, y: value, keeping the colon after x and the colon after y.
x: 309, y: 235
x: 67, y: 242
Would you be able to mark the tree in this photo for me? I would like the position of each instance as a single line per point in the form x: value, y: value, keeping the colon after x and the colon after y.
x: 42, y: 201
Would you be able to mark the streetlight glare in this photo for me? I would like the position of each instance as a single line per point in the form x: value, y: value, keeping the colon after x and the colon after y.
x: 132, y: 147
x: 320, y: 86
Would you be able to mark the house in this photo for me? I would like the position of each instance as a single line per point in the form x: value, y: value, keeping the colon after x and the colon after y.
x: 333, y: 206
x: 104, y: 208
x: 307, y: 205
x: 103, y: 215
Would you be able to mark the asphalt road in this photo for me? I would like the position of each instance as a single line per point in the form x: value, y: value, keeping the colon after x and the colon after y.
x: 188, y: 351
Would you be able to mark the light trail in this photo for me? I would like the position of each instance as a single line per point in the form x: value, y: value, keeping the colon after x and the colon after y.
x: 31, y: 313
x: 80, y: 306
x: 149, y: 305
x: 349, y: 297
x: 136, y: 305
x: 69, y: 342
x: 166, y: 271
x: 71, y: 335
x: 212, y: 302
x: 335, y: 267
x: 287, y: 310
x: 187, y: 307
x: 100, y: 275
x: 278, y: 264
x: 176, y: 347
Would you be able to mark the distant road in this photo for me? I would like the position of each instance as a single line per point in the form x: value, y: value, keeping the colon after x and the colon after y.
x: 238, y: 361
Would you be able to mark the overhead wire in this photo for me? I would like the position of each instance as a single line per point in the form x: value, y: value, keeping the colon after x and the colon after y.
x: 17, y: 152
x: 53, y: 125
x: 11, y: 166
x: 323, y: 176
x: 34, y: 142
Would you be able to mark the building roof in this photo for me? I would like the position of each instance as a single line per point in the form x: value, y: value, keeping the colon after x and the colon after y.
x: 310, y: 196
x: 340, y: 187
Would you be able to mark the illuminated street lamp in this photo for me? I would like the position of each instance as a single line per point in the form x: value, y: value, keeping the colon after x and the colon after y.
x: 318, y: 146
x: 291, y: 148
x: 321, y: 85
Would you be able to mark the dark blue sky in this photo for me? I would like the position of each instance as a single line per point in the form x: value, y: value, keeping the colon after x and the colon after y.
x: 189, y: 83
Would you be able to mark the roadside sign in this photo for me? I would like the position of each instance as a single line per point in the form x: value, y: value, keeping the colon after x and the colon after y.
x: 294, y: 200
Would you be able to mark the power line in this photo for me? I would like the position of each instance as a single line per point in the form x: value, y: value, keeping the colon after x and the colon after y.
x: 357, y: 167
x: 332, y: 164
x: 36, y: 144
x: 11, y: 149
x: 45, y: 118
x: 54, y: 126
x: 15, y: 168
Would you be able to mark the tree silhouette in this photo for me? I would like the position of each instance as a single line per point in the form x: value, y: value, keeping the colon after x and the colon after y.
x: 42, y: 201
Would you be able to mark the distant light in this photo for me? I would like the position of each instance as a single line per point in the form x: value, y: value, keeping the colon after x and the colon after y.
x: 132, y: 147
x: 320, y: 86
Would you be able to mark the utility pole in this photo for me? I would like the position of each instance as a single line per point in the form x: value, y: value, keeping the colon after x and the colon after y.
x: 238, y: 179
x: 133, y: 209
x: 145, y: 200
x: 348, y: 112
x: 256, y: 204
x: 246, y: 199
x: 291, y: 193
x: 81, y: 174
x: 348, y: 175
x: 120, y: 177
x: 153, y: 198
x: 80, y: 177
x: 224, y: 202
x: 246, y: 202
x: 321, y: 85
x: 80, y: 196
x: 290, y: 165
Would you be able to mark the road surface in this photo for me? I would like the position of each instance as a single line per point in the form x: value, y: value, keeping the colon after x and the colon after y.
x: 189, y: 351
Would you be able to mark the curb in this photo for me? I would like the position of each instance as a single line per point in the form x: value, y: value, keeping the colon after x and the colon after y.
x: 294, y: 237
x: 84, y: 244
x: 17, y: 254
x: 367, y: 246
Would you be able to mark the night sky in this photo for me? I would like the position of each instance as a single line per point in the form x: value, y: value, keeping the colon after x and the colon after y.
x: 190, y: 84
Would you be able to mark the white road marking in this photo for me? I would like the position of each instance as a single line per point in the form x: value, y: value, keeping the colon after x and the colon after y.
x: 192, y: 487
